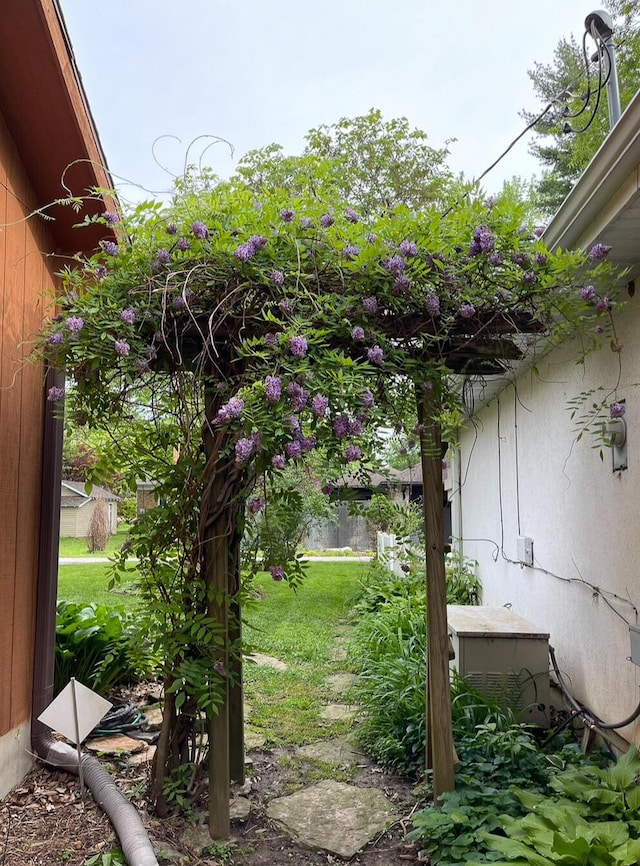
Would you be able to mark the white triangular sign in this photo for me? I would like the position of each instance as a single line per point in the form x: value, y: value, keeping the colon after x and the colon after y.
x: 60, y: 714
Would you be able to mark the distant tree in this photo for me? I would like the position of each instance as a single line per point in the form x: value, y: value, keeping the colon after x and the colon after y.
x: 375, y: 165
x: 565, y: 155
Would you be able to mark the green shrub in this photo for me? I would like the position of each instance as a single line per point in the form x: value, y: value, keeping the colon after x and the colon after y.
x: 99, y: 646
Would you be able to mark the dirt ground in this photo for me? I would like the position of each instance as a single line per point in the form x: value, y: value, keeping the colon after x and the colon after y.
x: 44, y: 822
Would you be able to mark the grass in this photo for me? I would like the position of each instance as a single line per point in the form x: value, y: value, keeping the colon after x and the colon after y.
x: 298, y: 628
x: 88, y: 582
x: 77, y: 547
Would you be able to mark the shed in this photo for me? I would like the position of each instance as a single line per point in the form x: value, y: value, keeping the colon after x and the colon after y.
x: 46, y: 131
x: 77, y: 508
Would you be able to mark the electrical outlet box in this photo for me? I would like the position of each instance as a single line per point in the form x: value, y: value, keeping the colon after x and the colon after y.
x: 525, y: 550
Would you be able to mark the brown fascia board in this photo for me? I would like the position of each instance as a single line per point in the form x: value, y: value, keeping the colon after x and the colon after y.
x: 617, y: 159
x: 46, y: 111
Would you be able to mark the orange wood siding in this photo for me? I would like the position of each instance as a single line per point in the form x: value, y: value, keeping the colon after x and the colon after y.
x: 25, y: 278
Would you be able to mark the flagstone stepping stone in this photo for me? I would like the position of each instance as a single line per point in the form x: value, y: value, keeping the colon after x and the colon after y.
x: 335, y: 751
x: 333, y: 816
x: 266, y: 661
x: 116, y: 745
x: 339, y: 654
x: 154, y: 718
x: 337, y: 712
x: 141, y: 757
x: 239, y: 809
x: 339, y: 683
x: 253, y: 739
x: 341, y: 630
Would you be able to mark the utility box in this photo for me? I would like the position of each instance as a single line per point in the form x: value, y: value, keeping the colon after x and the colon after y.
x: 502, y: 654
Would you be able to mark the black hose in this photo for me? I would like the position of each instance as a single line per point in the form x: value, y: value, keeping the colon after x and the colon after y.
x: 120, y: 720
x: 585, y: 712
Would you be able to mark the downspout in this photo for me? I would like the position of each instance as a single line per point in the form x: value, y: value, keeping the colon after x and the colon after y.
x: 133, y: 837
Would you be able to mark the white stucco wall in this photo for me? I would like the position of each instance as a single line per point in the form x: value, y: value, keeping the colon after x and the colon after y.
x: 524, y: 473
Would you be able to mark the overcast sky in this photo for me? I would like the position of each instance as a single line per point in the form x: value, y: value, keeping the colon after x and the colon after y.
x: 254, y: 72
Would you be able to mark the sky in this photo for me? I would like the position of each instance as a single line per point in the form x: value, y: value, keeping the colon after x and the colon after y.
x: 160, y: 74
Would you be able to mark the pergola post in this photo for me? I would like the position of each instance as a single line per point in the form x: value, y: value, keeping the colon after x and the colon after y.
x: 439, y: 749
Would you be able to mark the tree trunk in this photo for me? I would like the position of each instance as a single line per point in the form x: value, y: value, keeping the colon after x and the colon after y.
x: 439, y: 734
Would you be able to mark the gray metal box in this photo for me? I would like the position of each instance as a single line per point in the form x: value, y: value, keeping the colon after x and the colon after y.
x: 501, y: 653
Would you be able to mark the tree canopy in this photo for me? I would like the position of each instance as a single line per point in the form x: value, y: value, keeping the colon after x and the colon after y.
x: 563, y: 81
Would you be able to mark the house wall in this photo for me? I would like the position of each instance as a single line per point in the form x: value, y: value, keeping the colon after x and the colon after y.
x: 74, y: 522
x: 25, y: 275
x: 523, y: 472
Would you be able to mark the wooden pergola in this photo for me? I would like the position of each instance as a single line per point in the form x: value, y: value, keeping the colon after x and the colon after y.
x: 484, y: 345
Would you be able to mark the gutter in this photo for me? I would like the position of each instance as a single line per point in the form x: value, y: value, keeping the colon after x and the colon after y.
x: 124, y: 816
x: 617, y: 158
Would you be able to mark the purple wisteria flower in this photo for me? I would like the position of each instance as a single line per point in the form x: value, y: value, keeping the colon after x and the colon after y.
x: 306, y: 222
x: 219, y: 667
x: 496, y: 258
x: 395, y: 265
x: 75, y: 324
x: 355, y: 427
x: 56, y: 339
x: 520, y: 259
x: 277, y: 572
x: 293, y: 450
x: 298, y: 395
x: 163, y: 257
x: 357, y: 333
x: 231, y: 410
x: 307, y: 444
x: 199, y: 230
x: 287, y: 215
x: 603, y: 304
x: 258, y: 241
x: 352, y: 453
x: 278, y: 461
x: 341, y: 426
x: 489, y: 202
x: 285, y: 305
x: 617, y: 410
x: 100, y: 272
x: 588, y: 293
x: 351, y: 252
x: 350, y: 215
x: 171, y: 229
x: 256, y: 504
x: 326, y: 220
x: 141, y: 365
x: 432, y: 304
x: 467, y: 311
x: 319, y: 405
x: 110, y: 247
x: 375, y: 355
x: 277, y: 278
x: 183, y: 245
x: 243, y: 450
x: 529, y: 278
x: 408, y: 249
x: 540, y: 259
x: 55, y: 394
x: 539, y: 231
x: 599, y: 252
x: 128, y: 316
x: 270, y: 340
x: 110, y: 217
x: 401, y: 284
x: 245, y: 252
x: 121, y: 348
x: 178, y: 303
x: 293, y: 424
x: 298, y: 347
x: 368, y: 400
x: 482, y: 241
x: 370, y: 305
x: 273, y: 388
x: 371, y: 238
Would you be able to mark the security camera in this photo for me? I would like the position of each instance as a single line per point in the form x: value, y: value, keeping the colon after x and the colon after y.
x: 603, y: 23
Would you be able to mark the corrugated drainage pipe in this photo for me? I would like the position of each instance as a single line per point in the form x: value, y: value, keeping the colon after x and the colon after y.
x: 134, y: 841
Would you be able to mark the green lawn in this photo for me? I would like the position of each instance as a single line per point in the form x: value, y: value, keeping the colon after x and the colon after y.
x: 75, y: 547
x: 296, y: 627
